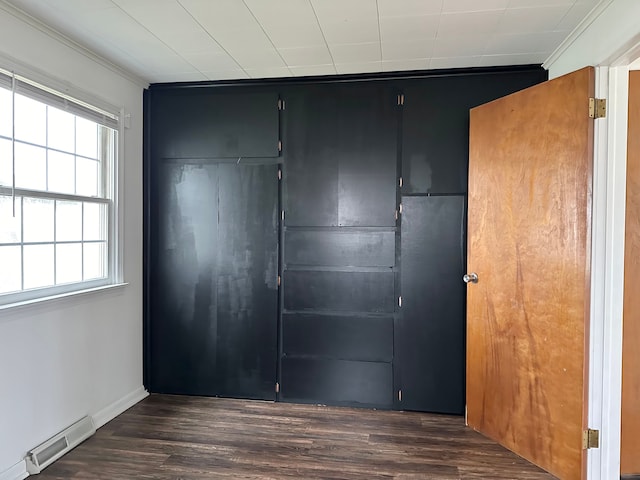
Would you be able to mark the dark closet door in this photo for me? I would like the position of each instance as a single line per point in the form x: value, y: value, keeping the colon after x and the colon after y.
x: 213, y: 283
x: 340, y: 185
x: 430, y: 340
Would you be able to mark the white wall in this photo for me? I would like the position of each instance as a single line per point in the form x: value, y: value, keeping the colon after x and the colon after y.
x: 612, y: 32
x: 71, y: 357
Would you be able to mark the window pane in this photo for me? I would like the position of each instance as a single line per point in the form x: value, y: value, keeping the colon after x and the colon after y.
x: 86, y: 138
x: 61, y: 172
x: 95, y: 221
x: 68, y: 221
x: 38, y: 266
x: 86, y: 177
x: 68, y: 263
x: 31, y: 120
x: 31, y: 167
x: 95, y: 260
x: 5, y: 112
x: 11, y: 278
x: 38, y: 220
x: 61, y: 130
x: 6, y: 162
x: 9, y: 225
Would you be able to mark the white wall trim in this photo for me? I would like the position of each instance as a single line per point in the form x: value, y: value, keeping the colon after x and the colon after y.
x: 576, y: 33
x: 119, y: 406
x: 56, y: 35
x: 17, y: 472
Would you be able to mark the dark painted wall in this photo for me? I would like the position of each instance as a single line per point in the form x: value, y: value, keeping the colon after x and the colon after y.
x: 333, y: 332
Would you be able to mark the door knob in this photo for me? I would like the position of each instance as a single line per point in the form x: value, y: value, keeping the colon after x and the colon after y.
x: 470, y: 278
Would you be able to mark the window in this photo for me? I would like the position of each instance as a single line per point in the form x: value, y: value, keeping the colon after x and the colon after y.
x: 57, y: 165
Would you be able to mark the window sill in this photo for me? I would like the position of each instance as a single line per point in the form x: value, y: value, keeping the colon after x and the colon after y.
x: 60, y: 297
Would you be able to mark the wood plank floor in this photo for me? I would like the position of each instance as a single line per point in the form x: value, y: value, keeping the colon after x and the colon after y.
x: 192, y: 438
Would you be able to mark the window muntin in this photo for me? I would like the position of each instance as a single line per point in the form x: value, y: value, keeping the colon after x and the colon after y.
x: 56, y: 194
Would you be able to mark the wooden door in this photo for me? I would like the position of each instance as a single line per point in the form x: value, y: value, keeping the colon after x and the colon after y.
x: 530, y: 170
x: 630, y: 441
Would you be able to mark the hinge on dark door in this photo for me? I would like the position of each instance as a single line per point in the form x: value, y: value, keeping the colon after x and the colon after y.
x: 277, y: 387
x: 279, y: 145
x: 401, y: 99
x: 279, y: 174
x: 281, y: 104
x: 279, y: 280
x: 399, y: 395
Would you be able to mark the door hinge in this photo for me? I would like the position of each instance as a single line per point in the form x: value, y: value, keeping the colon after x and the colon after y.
x: 597, y: 107
x: 279, y: 174
x: 279, y: 280
x: 282, y: 215
x: 400, y: 209
x: 590, y: 439
x: 277, y: 387
x: 281, y: 104
x: 401, y: 99
x: 400, y: 182
x: 279, y: 145
x: 399, y: 301
x: 399, y: 395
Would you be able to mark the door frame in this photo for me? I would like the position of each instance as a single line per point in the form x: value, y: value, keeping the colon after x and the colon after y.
x: 607, y: 295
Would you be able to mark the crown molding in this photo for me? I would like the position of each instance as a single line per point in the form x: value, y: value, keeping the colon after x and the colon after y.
x: 577, y: 32
x: 33, y: 22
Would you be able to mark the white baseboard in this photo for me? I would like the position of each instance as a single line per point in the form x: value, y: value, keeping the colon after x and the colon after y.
x: 17, y: 472
x: 116, y: 408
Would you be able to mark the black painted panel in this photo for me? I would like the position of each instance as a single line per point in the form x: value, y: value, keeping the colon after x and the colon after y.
x: 435, y: 126
x: 209, y: 123
x: 339, y: 337
x: 337, y: 382
x: 247, y: 280
x: 432, y: 333
x: 214, y: 289
x: 340, y: 248
x: 339, y: 291
x: 340, y: 148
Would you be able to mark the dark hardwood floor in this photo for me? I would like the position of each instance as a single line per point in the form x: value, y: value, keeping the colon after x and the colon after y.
x: 192, y: 438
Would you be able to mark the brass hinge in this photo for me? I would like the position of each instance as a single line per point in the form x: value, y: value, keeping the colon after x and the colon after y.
x: 277, y: 387
x: 279, y: 145
x: 279, y: 280
x: 400, y: 182
x: 401, y: 99
x: 399, y: 395
x: 597, y: 107
x: 281, y: 104
x: 590, y: 439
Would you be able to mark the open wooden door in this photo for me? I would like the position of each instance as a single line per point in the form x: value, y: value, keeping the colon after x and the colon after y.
x: 630, y: 441
x: 530, y: 171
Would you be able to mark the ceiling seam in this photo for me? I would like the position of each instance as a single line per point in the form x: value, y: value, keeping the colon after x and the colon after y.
x: 379, y: 33
x: 267, y: 35
x: 333, y: 62
x: 212, y: 38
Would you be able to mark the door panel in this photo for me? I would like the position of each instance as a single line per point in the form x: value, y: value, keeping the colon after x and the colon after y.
x: 630, y: 440
x: 430, y: 340
x: 529, y: 236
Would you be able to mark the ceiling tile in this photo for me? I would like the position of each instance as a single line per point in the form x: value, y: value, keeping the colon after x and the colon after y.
x: 356, y: 31
x: 538, y: 3
x: 344, y: 10
x: 575, y: 15
x: 216, y: 14
x: 295, y: 35
x: 282, y: 12
x: 184, y: 77
x: 460, y: 46
x: 450, y: 6
x: 255, y: 58
x: 306, y: 56
x: 471, y: 23
x: 404, y: 65
x: 403, y: 8
x: 454, y: 62
x: 275, y: 72
x: 226, y: 74
x: 531, y: 20
x: 356, y: 53
x: 510, y: 43
x: 242, y: 38
x: 310, y: 70
x: 407, y: 50
x: 521, y: 59
x: 417, y: 27
x: 359, y: 67
x: 211, y: 61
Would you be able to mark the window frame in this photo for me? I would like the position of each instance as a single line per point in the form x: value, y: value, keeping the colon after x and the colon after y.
x: 92, y: 109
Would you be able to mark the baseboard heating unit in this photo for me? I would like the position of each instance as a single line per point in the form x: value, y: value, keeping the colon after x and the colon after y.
x: 47, y: 453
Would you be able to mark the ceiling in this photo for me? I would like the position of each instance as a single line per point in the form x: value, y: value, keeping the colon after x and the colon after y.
x: 192, y: 40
